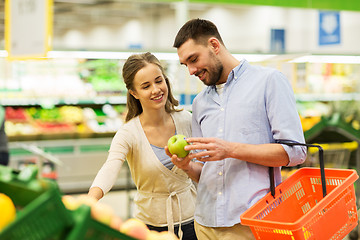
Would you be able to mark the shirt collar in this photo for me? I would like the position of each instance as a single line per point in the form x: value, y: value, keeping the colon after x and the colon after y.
x: 234, y: 75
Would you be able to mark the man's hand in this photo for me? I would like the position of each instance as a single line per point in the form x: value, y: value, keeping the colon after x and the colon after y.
x: 211, y: 149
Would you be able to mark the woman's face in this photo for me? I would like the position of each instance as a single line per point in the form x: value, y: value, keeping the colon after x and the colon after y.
x: 150, y: 87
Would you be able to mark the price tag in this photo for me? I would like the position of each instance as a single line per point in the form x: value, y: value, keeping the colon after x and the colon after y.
x: 28, y: 28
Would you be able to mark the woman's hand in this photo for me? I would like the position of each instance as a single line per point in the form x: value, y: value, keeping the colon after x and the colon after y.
x: 192, y: 169
x: 182, y: 163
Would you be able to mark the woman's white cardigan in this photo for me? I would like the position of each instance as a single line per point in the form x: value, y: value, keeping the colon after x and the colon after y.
x: 164, y: 197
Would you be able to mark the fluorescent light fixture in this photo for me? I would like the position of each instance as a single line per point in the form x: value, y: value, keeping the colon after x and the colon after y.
x: 77, y: 1
x: 124, y: 55
x: 106, y: 55
x: 327, y: 59
x: 254, y: 57
x: 167, y: 56
x: 3, y: 53
x: 88, y: 54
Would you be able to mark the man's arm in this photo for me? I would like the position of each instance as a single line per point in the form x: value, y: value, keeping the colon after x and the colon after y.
x: 214, y: 149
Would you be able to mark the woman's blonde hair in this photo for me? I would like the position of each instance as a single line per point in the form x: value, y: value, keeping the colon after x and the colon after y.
x: 132, y: 65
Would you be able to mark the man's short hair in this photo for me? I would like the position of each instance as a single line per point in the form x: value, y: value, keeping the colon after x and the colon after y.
x: 200, y: 30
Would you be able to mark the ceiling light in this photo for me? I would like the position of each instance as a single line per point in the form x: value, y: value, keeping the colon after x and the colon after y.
x: 254, y: 57
x: 3, y: 53
x: 327, y: 59
x: 88, y: 55
x: 77, y: 1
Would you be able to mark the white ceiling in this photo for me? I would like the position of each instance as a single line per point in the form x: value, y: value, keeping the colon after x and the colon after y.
x: 69, y: 14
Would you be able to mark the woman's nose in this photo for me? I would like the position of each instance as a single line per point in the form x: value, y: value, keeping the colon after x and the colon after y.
x: 155, y: 88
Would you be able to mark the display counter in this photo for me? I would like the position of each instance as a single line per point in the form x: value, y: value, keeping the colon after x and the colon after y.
x: 75, y: 164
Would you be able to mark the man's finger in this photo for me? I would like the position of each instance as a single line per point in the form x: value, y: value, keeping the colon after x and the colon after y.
x: 200, y: 140
x: 200, y: 155
x: 196, y: 147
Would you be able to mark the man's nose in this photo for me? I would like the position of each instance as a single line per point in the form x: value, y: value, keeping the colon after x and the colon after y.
x: 192, y: 70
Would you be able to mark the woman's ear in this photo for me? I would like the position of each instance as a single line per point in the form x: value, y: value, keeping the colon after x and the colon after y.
x: 133, y: 93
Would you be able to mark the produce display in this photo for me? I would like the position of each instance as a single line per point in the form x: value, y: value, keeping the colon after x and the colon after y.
x: 103, y: 74
x: 105, y: 214
x: 8, y: 211
x: 33, y: 208
x: 37, y: 121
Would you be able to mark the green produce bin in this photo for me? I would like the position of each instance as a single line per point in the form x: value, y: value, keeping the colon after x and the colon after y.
x: 40, y: 213
x: 87, y: 228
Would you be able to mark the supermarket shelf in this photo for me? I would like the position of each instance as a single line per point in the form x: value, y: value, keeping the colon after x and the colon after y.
x: 66, y: 101
x: 59, y: 136
x: 334, y: 123
x: 327, y: 97
x: 335, y: 129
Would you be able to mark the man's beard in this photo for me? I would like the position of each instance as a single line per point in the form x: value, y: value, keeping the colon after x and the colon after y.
x: 214, y: 71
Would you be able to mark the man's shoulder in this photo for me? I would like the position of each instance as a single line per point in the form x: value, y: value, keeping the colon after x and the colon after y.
x: 264, y: 69
x: 202, y: 94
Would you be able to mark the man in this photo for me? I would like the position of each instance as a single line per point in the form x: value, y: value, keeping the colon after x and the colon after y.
x: 235, y: 123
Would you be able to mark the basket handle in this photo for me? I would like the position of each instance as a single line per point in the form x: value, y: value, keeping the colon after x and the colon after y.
x: 321, y: 160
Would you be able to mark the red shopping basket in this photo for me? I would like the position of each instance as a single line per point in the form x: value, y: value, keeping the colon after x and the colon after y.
x: 302, y: 207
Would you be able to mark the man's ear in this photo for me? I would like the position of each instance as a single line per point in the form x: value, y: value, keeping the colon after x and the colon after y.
x: 214, y: 44
x: 133, y: 93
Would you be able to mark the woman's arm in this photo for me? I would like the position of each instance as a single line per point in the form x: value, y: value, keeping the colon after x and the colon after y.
x: 107, y: 175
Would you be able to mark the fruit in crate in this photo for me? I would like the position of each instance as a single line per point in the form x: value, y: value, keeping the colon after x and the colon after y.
x: 165, y: 235
x: 15, y: 114
x: 8, y: 211
x: 176, y: 145
x: 55, y: 127
x: 87, y: 200
x: 19, y: 128
x: 99, y: 211
x: 135, y: 228
x: 70, y: 202
x: 50, y: 115
x: 102, y: 212
x: 71, y: 114
x: 116, y: 222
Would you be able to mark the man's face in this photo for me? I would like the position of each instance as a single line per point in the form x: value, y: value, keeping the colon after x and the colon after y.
x: 201, y: 61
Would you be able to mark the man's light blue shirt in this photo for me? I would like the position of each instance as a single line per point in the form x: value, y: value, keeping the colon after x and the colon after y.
x: 257, y: 106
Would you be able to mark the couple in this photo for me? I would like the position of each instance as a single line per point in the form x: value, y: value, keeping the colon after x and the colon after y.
x: 233, y: 126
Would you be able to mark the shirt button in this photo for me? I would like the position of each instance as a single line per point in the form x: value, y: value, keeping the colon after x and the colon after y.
x: 235, y: 77
x: 220, y: 193
x: 220, y: 173
x: 220, y: 130
x: 221, y: 109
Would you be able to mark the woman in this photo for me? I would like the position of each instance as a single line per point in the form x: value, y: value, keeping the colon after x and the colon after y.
x: 165, y: 197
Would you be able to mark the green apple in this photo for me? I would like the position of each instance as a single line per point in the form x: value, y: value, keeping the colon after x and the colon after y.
x: 176, y: 145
